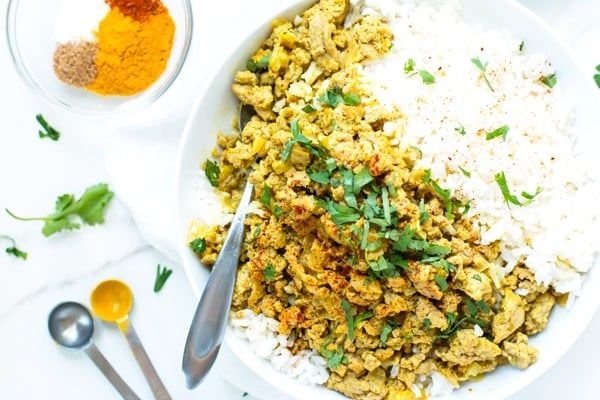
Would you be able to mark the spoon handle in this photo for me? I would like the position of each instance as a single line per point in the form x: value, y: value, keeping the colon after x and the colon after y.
x: 210, y: 319
x: 135, y: 344
x: 110, y: 373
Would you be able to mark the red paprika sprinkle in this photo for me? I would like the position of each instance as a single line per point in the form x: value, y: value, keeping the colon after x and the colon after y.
x: 139, y: 10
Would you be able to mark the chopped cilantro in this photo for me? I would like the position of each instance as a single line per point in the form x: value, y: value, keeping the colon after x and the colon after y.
x: 510, y: 198
x: 482, y: 69
x: 12, y: 249
x: 255, y: 66
x: 198, y: 245
x: 597, y: 76
x: 427, y: 78
x: 549, y: 80
x: 441, y: 282
x: 409, y: 66
x: 269, y: 272
x: 464, y: 171
x: 502, y: 131
x: 349, y: 319
x: 212, y: 172
x: 461, y: 129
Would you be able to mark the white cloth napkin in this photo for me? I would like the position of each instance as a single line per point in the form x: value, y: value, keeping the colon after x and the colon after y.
x: 142, y: 150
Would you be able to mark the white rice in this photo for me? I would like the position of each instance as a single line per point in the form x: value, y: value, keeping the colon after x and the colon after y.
x: 553, y: 235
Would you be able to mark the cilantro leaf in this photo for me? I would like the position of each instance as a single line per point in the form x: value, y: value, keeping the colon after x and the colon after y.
x: 256, y: 66
x: 502, y: 131
x: 212, y: 172
x: 427, y: 78
x: 198, y: 245
x: 549, y: 80
x: 409, y: 66
x: 349, y: 319
x: 334, y: 97
x: 500, y: 178
x: 89, y: 208
x: 269, y: 272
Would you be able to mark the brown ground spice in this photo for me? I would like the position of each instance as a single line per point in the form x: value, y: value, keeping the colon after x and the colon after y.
x: 75, y: 63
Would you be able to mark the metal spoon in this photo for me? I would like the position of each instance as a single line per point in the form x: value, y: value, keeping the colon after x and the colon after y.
x: 210, y: 319
x: 71, y: 325
x: 111, y: 301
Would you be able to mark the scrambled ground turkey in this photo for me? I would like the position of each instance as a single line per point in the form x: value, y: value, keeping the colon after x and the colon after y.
x: 357, y: 254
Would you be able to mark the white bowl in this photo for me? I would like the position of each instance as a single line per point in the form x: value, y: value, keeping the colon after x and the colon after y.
x: 216, y: 107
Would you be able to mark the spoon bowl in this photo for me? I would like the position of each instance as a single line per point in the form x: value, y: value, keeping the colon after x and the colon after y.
x: 71, y: 325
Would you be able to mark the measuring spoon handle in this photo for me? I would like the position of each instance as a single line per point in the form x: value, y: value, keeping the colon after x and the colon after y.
x: 158, y: 388
x: 110, y: 373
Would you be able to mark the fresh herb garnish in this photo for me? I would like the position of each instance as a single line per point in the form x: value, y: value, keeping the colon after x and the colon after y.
x: 198, y: 245
x: 349, y: 319
x: 212, y: 172
x: 500, y: 178
x: 521, y: 46
x: 263, y: 63
x: 451, y: 204
x: 269, y: 272
x: 12, y: 249
x: 549, y: 80
x: 482, y: 69
x: 597, y: 76
x: 464, y: 171
x: 362, y: 317
x: 266, y: 195
x: 49, y: 131
x: 502, y: 131
x: 309, y: 108
x: 298, y: 137
x: 441, y: 282
x: 455, y: 323
x: 409, y: 66
x: 334, y: 97
x: 334, y: 359
x: 427, y: 78
x: 89, y: 208
x: 460, y: 129
x: 161, y: 277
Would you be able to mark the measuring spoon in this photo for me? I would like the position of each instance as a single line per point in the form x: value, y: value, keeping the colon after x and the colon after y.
x: 71, y: 325
x: 111, y: 301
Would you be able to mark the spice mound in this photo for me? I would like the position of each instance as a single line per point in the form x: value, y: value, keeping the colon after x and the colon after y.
x: 124, y: 54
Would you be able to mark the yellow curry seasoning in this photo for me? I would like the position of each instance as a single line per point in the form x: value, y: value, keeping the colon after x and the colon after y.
x: 132, y: 47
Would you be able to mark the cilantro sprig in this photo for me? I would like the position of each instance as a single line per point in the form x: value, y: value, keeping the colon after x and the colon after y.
x: 12, y: 248
x: 89, y: 208
x: 162, y: 274
x: 426, y: 76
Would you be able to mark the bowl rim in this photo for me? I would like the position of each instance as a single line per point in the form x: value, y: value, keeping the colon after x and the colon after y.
x: 584, y: 310
x: 137, y: 102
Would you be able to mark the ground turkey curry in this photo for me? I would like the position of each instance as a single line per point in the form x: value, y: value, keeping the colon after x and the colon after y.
x: 356, y: 253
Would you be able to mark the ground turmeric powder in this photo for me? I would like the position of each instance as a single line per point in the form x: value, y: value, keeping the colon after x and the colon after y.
x: 132, y: 54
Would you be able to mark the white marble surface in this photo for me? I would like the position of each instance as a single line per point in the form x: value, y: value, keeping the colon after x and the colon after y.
x: 68, y: 265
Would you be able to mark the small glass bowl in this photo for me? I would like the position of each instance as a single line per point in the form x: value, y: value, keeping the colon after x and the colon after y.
x: 31, y: 33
